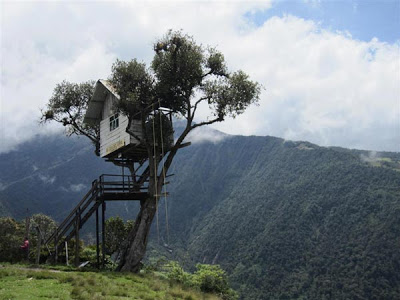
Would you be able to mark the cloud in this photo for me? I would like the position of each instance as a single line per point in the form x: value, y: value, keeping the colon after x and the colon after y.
x: 74, y: 188
x: 47, y: 179
x: 205, y: 134
x: 320, y: 85
x: 77, y: 187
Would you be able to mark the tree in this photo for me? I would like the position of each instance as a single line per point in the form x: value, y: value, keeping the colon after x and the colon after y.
x: 45, y: 223
x: 68, y: 105
x: 183, y: 75
x: 116, y: 234
x: 11, y: 238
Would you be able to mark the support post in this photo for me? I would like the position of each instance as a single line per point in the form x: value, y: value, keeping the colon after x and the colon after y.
x: 66, y: 253
x: 103, y: 235
x: 56, y: 248
x: 39, y: 244
x: 97, y: 239
x: 77, y: 224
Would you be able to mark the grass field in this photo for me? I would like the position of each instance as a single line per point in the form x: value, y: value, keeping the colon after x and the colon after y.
x: 20, y: 282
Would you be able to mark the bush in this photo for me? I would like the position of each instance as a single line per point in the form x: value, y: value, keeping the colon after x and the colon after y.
x: 177, y: 274
x: 212, y: 279
x: 11, y: 238
x: 207, y: 278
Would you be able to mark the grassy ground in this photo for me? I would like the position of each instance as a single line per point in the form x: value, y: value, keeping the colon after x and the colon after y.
x: 20, y: 282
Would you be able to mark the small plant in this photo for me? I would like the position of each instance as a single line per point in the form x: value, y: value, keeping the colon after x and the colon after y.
x: 207, y: 278
x: 177, y: 274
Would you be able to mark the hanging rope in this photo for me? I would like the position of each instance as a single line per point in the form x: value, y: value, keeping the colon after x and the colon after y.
x: 163, y: 171
x: 155, y: 174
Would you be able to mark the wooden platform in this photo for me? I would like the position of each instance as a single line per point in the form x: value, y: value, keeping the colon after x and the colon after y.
x: 115, y: 196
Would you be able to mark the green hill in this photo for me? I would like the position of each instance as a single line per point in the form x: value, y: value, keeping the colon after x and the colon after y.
x: 291, y: 220
x: 287, y: 220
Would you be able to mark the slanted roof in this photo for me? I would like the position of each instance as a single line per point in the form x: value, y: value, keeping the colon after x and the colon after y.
x: 95, y: 107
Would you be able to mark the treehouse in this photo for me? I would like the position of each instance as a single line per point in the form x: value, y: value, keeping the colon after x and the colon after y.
x: 115, y: 141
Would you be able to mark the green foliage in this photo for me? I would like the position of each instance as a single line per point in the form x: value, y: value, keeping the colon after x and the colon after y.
x: 11, y: 238
x: 289, y: 219
x: 45, y: 223
x: 157, y: 122
x: 183, y: 74
x: 211, y: 278
x: 68, y: 105
x: 134, y: 84
x: 207, y: 278
x: 178, y: 67
x: 116, y: 234
x: 177, y: 274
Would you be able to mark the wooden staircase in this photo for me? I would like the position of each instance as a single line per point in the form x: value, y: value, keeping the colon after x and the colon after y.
x: 107, y: 188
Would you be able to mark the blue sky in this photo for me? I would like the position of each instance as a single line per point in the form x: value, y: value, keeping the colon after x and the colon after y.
x: 331, y: 69
x: 364, y: 19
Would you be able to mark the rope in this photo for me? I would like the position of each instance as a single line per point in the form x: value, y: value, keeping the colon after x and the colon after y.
x: 155, y: 175
x: 163, y: 171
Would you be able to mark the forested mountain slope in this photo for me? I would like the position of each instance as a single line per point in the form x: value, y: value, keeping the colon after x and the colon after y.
x: 291, y: 220
x: 48, y: 175
x: 286, y: 219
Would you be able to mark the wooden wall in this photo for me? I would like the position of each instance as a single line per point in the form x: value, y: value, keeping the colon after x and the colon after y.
x: 117, y: 138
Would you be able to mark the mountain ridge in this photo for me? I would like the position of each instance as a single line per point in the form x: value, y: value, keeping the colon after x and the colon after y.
x: 287, y: 220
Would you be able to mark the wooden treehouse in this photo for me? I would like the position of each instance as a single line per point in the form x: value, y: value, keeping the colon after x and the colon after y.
x: 119, y: 147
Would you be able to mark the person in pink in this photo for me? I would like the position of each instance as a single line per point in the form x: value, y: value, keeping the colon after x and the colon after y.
x: 25, y: 246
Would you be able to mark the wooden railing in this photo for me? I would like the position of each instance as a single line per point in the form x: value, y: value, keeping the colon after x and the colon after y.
x: 107, y: 187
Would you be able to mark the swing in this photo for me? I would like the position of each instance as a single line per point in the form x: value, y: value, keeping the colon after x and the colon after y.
x: 163, y: 175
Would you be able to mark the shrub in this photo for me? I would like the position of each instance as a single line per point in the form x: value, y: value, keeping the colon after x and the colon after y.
x: 177, y: 274
x: 11, y: 238
x: 212, y: 279
x: 207, y: 278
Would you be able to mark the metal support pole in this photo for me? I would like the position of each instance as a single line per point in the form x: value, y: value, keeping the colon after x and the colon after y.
x: 97, y: 239
x: 77, y: 224
x: 103, y: 235
x: 123, y: 179
x: 56, y: 248
x: 66, y: 253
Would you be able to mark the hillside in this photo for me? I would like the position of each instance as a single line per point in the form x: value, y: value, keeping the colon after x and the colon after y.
x: 291, y: 220
x: 286, y: 219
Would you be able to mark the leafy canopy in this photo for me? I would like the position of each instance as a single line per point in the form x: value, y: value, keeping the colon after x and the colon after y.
x: 68, y: 106
x: 182, y: 75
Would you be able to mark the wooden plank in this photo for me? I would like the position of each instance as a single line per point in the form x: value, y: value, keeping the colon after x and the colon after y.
x: 136, y: 196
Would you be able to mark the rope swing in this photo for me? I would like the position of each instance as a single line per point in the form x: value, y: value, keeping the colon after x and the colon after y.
x: 155, y: 174
x: 164, y: 187
x: 163, y: 172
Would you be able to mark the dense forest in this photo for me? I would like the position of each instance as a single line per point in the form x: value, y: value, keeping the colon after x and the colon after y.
x: 287, y: 220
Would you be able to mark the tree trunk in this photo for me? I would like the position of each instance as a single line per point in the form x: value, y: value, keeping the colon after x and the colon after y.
x: 137, y: 239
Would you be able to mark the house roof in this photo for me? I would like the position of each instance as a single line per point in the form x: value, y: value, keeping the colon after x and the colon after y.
x: 95, y: 107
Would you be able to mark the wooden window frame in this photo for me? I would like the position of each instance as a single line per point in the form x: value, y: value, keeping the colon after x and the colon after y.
x: 114, y: 122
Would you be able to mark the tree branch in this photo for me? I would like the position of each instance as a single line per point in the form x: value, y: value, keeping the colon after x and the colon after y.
x: 94, y: 139
x: 219, y: 119
x: 197, y: 103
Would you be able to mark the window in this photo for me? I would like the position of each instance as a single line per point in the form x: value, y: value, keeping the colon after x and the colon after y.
x: 114, y: 122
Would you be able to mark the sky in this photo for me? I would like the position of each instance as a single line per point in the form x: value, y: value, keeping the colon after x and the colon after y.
x: 330, y: 70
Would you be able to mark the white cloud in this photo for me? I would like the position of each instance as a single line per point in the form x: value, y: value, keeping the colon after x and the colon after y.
x: 74, y: 188
x: 321, y: 86
x: 77, y: 187
x: 206, y: 134
x: 47, y: 179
